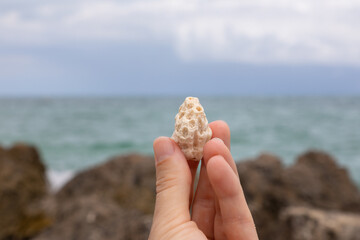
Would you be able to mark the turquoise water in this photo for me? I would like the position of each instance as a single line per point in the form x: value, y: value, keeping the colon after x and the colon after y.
x: 75, y: 133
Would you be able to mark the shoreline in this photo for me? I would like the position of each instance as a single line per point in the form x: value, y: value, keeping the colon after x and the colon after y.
x: 58, y: 178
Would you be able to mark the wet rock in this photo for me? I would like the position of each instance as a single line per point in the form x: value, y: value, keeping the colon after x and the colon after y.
x: 22, y: 185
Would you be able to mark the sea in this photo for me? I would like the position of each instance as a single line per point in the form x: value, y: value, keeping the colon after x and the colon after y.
x: 75, y: 133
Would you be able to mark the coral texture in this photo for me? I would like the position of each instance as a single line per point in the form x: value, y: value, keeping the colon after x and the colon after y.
x: 191, y: 129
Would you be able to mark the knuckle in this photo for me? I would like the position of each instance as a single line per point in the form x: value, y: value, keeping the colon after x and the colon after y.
x: 164, y: 183
x: 239, y: 221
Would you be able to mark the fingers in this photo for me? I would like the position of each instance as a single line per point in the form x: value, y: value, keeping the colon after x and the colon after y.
x: 221, y: 130
x: 203, y: 211
x: 237, y: 221
x: 173, y: 184
x: 216, y: 146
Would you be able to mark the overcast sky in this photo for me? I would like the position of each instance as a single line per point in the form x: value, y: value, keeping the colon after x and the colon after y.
x: 246, y: 47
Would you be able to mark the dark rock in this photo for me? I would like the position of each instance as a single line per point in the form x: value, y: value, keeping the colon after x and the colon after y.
x: 114, y: 200
x: 263, y: 185
x: 301, y: 223
x: 312, y: 199
x: 97, y: 218
x: 314, y: 180
x: 22, y: 185
x: 319, y: 182
x: 129, y: 180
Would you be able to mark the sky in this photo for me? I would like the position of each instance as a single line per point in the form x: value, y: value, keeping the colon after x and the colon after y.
x: 175, y: 47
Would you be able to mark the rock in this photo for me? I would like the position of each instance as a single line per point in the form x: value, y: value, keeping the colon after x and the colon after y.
x: 312, y: 199
x: 129, y: 180
x: 314, y: 180
x: 319, y: 182
x: 263, y: 185
x: 94, y: 218
x: 301, y: 223
x: 113, y: 200
x: 22, y: 185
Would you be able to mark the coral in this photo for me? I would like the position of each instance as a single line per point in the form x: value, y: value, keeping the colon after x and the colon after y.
x: 191, y: 129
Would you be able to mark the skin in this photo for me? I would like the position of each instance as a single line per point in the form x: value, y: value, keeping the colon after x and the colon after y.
x: 219, y: 208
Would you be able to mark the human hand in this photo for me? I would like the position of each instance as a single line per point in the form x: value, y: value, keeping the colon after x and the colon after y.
x: 219, y: 208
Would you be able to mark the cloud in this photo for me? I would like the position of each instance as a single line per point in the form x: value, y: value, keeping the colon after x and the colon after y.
x: 279, y: 32
x: 248, y: 31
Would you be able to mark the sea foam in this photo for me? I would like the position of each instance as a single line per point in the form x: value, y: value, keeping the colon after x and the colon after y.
x: 57, y: 179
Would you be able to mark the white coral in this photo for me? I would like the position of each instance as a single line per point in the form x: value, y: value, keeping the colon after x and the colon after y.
x: 191, y: 129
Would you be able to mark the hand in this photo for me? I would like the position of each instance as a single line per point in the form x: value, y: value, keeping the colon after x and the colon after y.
x: 219, y: 209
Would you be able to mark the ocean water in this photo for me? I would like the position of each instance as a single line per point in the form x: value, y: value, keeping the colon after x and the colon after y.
x: 75, y: 133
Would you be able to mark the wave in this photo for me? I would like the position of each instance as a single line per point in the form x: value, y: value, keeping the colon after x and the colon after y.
x: 57, y: 179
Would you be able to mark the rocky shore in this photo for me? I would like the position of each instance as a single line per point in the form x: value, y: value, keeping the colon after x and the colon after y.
x: 312, y: 199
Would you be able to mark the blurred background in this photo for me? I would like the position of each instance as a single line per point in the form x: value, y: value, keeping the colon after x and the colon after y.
x: 83, y: 81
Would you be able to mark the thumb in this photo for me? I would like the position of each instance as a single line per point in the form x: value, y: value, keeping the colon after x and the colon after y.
x: 173, y: 184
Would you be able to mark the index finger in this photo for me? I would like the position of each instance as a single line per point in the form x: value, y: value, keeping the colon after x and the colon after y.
x: 221, y: 130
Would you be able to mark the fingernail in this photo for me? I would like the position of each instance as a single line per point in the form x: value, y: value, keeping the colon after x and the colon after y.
x: 163, y: 148
x: 218, y: 140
